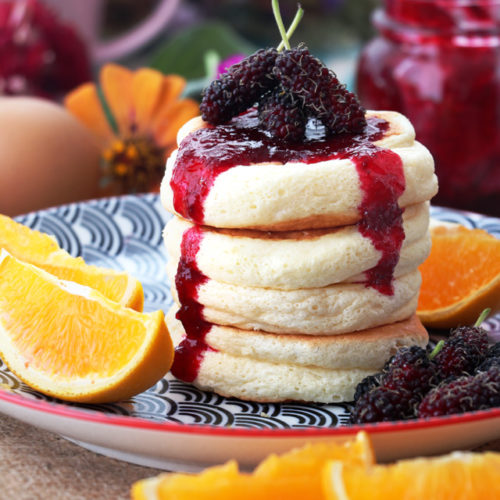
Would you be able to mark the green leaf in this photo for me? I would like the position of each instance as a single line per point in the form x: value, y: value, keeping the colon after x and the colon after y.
x: 185, y: 53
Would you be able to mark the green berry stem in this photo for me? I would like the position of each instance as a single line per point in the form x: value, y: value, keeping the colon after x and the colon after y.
x: 436, y: 349
x: 482, y: 317
x: 211, y: 60
x: 108, y: 114
x: 279, y: 22
x: 296, y: 20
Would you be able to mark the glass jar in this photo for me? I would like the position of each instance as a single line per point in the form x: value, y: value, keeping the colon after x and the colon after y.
x: 438, y: 62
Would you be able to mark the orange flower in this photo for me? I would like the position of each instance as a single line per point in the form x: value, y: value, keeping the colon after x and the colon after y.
x: 135, y: 116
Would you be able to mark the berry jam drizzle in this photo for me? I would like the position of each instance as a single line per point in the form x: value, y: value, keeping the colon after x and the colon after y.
x: 189, y: 353
x: 382, y: 181
x: 208, y: 152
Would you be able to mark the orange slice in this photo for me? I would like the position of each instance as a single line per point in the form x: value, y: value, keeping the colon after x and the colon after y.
x: 460, y: 278
x: 69, y: 341
x: 43, y: 251
x: 293, y: 475
x: 458, y: 476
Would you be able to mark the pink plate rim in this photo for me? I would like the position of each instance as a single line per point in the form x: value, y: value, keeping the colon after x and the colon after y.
x: 172, y: 427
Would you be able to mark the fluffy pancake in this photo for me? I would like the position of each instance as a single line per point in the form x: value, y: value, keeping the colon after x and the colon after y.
x: 331, y: 310
x: 270, y: 367
x: 295, y: 195
x: 289, y: 261
x: 260, y: 381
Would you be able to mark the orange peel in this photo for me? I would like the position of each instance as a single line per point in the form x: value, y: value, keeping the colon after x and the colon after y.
x: 460, y: 278
x: 68, y: 341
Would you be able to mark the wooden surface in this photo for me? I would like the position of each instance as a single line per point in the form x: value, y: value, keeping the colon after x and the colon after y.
x: 36, y: 464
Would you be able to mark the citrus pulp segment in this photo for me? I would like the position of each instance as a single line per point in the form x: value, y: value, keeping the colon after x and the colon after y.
x: 460, y: 278
x: 70, y: 342
x: 43, y: 251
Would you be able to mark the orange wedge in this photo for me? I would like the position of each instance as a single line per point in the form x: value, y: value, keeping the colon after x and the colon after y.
x: 458, y: 476
x: 460, y: 278
x: 43, y: 251
x: 293, y: 475
x: 69, y: 341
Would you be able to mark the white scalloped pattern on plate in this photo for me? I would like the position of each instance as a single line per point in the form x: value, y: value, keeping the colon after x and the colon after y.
x: 126, y: 233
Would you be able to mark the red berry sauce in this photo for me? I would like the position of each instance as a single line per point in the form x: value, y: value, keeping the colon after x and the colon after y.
x: 189, y: 353
x: 438, y: 63
x: 382, y: 181
x: 208, y: 152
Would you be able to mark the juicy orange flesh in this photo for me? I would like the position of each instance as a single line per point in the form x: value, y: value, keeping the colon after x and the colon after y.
x: 293, y: 475
x: 61, y: 333
x: 17, y: 238
x: 224, y: 481
x: 311, y: 457
x: 111, y: 286
x: 43, y: 251
x: 461, y: 262
x: 437, y: 479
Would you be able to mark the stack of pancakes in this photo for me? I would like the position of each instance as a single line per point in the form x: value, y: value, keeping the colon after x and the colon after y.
x: 285, y: 292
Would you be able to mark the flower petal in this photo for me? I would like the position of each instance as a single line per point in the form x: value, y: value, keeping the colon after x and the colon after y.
x: 116, y: 83
x: 147, y: 88
x: 170, y: 120
x: 84, y: 103
x: 173, y: 85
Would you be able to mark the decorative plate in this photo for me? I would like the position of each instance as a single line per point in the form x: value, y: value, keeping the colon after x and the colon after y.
x: 177, y: 427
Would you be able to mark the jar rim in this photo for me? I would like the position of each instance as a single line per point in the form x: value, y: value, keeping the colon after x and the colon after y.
x: 443, y: 17
x: 449, y: 3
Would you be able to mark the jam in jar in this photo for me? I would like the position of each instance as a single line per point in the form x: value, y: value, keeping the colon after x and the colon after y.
x: 438, y: 62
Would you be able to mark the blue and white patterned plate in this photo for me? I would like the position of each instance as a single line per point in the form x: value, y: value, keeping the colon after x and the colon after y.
x: 174, y: 425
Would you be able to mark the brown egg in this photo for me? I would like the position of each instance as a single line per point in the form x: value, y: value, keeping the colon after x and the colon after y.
x: 46, y: 156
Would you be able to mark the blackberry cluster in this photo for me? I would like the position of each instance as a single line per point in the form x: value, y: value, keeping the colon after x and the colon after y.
x: 467, y: 393
x: 463, y: 351
x: 239, y: 88
x: 280, y: 115
x: 492, y: 358
x: 457, y: 358
x: 410, y: 369
x: 428, y: 387
x: 474, y: 336
x: 493, y: 351
x: 406, y: 377
x: 319, y: 91
x: 382, y: 404
x: 290, y: 87
x: 487, y: 364
x: 366, y: 385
